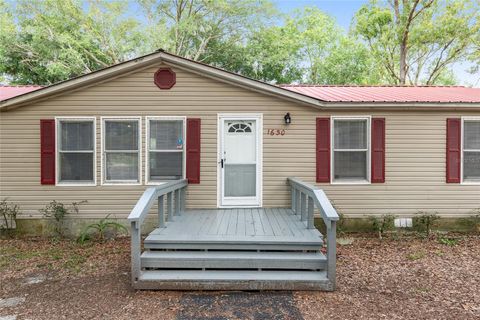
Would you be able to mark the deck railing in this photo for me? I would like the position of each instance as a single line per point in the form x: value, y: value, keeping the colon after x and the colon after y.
x: 305, y: 197
x: 174, y: 192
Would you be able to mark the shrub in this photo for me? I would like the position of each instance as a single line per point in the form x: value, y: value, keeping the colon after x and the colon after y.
x: 100, y: 230
x: 448, y: 241
x: 8, y: 214
x: 382, y: 224
x: 57, y: 211
x: 474, y: 220
x: 424, y: 221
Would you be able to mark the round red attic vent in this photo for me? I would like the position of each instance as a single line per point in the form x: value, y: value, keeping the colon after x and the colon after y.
x: 164, y: 78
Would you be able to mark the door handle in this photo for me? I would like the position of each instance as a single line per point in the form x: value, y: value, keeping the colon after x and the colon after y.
x: 222, y: 162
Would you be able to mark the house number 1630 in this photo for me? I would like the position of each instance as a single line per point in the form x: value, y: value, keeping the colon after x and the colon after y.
x: 276, y: 132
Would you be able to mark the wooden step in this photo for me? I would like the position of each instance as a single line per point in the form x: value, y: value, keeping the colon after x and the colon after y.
x: 154, y: 241
x: 233, y: 260
x: 233, y: 280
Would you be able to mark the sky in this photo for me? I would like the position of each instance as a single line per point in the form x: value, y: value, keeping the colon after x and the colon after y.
x: 343, y: 11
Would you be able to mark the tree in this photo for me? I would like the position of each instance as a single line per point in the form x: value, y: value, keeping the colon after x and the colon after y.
x: 50, y: 41
x: 307, y: 47
x: 417, y: 41
x: 189, y: 27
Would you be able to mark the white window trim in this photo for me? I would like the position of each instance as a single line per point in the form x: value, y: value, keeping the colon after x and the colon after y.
x: 147, y: 148
x: 57, y: 152
x: 103, y: 180
x: 332, y: 150
x: 461, y: 151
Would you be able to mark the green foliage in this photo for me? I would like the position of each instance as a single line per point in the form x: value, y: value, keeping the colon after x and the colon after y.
x: 424, y: 221
x: 57, y: 212
x: 100, y: 230
x: 473, y: 221
x: 75, y: 262
x: 416, y: 255
x: 308, y: 47
x: 43, y: 42
x: 417, y: 42
x: 448, y: 241
x: 8, y: 214
x: 188, y: 28
x: 382, y: 224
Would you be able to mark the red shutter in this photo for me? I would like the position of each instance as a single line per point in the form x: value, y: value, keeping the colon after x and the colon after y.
x: 323, y: 149
x: 193, y: 151
x: 47, y: 151
x: 378, y: 150
x: 453, y: 149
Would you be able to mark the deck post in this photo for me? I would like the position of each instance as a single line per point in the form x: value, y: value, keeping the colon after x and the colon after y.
x: 303, y: 206
x: 298, y: 195
x: 293, y: 192
x: 332, y: 252
x: 310, y: 222
x: 177, y: 202
x: 161, y: 212
x: 135, y: 248
x: 170, y: 205
x: 183, y: 199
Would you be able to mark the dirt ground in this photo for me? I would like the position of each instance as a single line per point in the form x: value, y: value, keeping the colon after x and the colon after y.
x: 406, y: 278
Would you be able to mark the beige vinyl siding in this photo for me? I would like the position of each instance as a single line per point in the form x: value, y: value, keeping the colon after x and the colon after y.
x: 415, y: 149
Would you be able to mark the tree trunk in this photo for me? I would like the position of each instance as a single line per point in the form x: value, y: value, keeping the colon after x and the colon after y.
x: 403, y: 63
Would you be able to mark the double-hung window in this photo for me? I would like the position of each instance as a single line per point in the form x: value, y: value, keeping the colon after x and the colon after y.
x: 165, y: 148
x: 471, y: 150
x: 351, y: 144
x: 121, y: 150
x: 76, y: 151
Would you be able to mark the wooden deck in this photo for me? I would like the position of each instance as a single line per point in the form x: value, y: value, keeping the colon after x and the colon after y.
x: 233, y: 249
x: 273, y: 226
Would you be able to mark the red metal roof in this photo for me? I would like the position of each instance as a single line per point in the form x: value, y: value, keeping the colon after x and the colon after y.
x: 388, y: 93
x: 345, y: 93
x: 7, y: 92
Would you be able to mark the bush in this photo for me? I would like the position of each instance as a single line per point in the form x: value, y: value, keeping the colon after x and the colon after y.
x: 8, y: 214
x: 424, y: 221
x: 474, y: 220
x: 382, y: 224
x: 57, y: 211
x: 100, y: 230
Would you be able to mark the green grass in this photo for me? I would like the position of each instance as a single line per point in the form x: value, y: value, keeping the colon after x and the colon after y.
x: 448, y: 241
x: 416, y: 256
x: 75, y: 262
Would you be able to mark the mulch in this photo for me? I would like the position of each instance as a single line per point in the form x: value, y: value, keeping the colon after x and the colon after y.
x: 406, y: 278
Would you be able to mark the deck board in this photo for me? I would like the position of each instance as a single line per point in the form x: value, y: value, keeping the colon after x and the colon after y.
x: 249, y: 223
x: 274, y: 225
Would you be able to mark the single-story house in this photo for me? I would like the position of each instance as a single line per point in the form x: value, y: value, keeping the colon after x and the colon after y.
x: 219, y: 145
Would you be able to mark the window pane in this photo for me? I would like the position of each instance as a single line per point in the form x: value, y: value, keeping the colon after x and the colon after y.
x: 240, y: 180
x: 166, y: 135
x: 76, y: 135
x: 350, y: 165
x: 166, y: 165
x: 76, y: 166
x: 471, y: 166
x: 471, y: 135
x: 121, y: 166
x: 350, y: 134
x: 121, y: 135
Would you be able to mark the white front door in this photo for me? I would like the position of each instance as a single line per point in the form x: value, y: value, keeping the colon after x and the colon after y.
x: 239, y: 160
